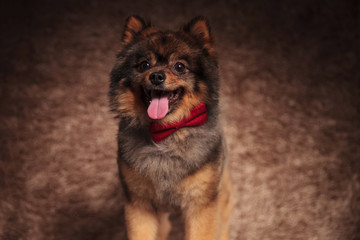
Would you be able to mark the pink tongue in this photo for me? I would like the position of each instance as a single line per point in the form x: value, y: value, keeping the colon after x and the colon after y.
x: 158, y: 107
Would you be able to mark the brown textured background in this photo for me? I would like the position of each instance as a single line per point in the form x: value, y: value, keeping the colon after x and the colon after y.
x: 290, y: 100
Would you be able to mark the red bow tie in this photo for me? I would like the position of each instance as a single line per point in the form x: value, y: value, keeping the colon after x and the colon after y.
x: 197, y: 117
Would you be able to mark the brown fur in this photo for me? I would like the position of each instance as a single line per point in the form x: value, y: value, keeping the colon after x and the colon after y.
x: 188, y: 170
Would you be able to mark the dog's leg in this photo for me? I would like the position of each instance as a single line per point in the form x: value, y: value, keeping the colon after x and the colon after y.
x: 201, y: 203
x: 211, y: 222
x: 141, y: 223
x: 225, y: 204
x: 202, y: 223
x: 164, y: 226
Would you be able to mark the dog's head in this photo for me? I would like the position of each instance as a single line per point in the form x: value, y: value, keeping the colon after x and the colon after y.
x: 161, y: 75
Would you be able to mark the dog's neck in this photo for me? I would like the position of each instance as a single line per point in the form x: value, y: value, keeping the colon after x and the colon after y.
x: 197, y: 117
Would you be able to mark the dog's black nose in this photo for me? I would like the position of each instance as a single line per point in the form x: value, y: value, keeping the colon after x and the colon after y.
x: 157, y: 78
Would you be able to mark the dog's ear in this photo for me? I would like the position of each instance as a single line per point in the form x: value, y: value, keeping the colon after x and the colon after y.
x: 200, y: 30
x: 133, y: 26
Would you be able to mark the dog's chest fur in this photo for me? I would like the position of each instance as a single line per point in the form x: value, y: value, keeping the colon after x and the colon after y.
x: 161, y: 167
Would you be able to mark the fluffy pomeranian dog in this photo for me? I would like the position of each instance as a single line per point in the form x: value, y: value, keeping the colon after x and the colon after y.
x: 164, y: 90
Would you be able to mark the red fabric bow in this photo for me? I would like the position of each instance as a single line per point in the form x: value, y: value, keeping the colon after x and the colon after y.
x: 198, y: 116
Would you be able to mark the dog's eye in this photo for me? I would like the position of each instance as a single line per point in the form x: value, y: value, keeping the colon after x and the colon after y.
x: 179, y: 67
x: 145, y: 65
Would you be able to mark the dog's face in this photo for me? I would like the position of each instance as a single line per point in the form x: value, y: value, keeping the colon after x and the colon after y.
x: 160, y: 76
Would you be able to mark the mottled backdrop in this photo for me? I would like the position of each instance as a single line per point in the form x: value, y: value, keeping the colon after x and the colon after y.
x: 290, y: 101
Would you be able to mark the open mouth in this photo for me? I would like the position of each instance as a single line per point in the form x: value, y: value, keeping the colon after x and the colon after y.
x: 159, y: 102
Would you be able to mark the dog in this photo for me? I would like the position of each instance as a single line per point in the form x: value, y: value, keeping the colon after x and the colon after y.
x: 164, y: 91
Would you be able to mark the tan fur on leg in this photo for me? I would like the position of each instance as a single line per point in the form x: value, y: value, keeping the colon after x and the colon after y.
x: 142, y: 224
x: 202, y: 223
x: 225, y: 205
x: 164, y: 226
